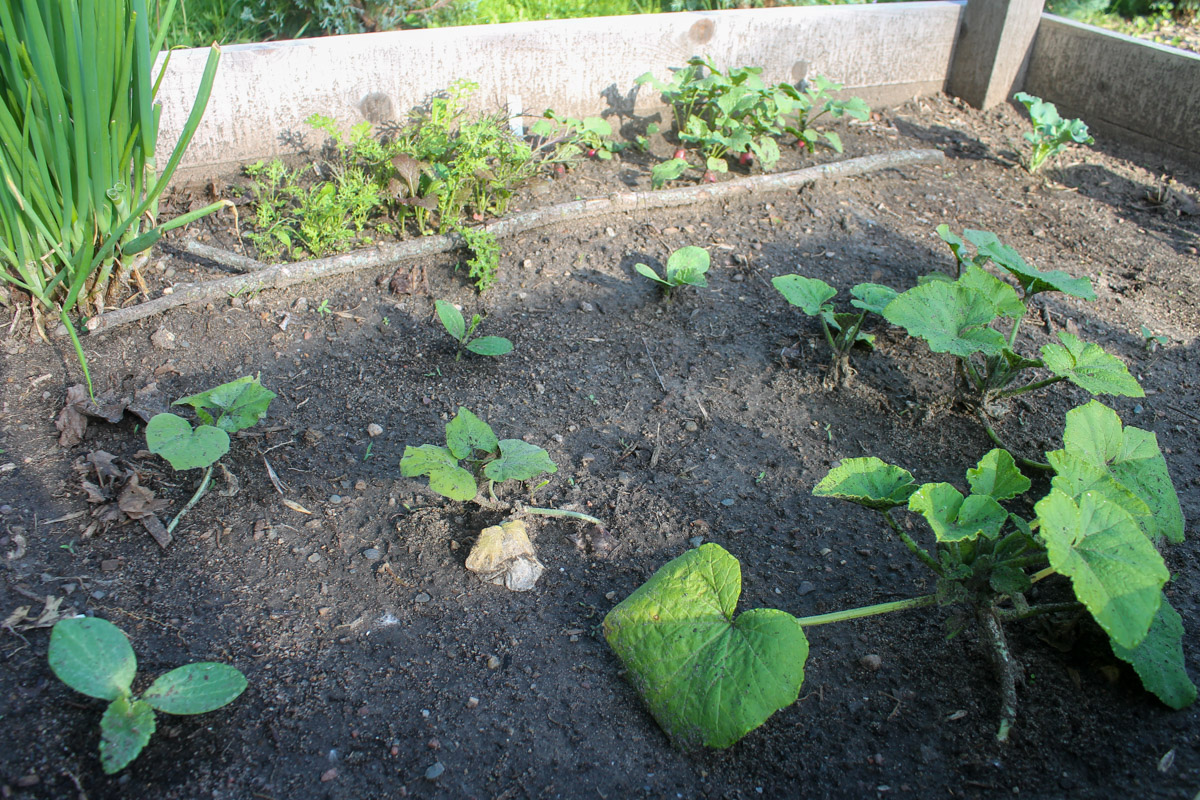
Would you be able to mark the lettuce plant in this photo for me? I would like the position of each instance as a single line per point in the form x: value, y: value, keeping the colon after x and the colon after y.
x: 842, y: 331
x: 452, y: 320
x: 964, y: 317
x: 709, y: 677
x: 685, y: 267
x: 1051, y: 133
x: 93, y: 657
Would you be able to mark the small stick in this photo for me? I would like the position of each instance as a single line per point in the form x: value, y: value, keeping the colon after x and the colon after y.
x: 234, y: 261
x: 661, y: 382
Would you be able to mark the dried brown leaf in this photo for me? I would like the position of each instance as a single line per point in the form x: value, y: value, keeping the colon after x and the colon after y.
x: 137, y: 501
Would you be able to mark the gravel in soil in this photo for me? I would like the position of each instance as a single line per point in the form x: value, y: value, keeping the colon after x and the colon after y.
x: 379, y: 667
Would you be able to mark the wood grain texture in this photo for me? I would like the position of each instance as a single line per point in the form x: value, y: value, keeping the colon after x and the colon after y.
x: 1122, y: 87
x: 264, y: 92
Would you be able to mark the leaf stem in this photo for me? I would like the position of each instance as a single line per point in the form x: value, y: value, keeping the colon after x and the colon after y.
x: 867, y: 611
x: 995, y: 437
x: 195, y: 499
x: 916, y: 549
x: 1029, y: 387
x: 1046, y: 573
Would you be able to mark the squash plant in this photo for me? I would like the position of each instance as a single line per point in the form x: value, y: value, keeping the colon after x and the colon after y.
x: 709, y: 677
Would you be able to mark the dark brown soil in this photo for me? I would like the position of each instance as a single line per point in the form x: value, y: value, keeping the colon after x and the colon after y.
x: 671, y: 421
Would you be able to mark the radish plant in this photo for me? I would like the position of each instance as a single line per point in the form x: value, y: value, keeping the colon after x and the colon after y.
x: 1051, y: 133
x: 452, y: 320
x: 590, y: 137
x: 685, y: 267
x: 710, y: 678
x: 842, y: 331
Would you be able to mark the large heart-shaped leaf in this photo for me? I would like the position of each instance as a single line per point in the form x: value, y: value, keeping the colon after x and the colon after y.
x: 467, y: 433
x: 520, y: 461
x: 1002, y: 296
x: 1158, y: 660
x: 997, y: 475
x: 93, y: 657
x: 446, y: 477
x: 237, y: 405
x: 173, y: 438
x: 707, y: 678
x: 125, y: 729
x: 196, y: 688
x: 954, y: 518
x: 869, y: 482
x: 1114, y: 569
x: 1032, y: 279
x: 950, y: 317
x: 1089, y: 367
x: 1132, y: 456
x: 687, y: 265
x: 1076, y: 476
x: 808, y: 294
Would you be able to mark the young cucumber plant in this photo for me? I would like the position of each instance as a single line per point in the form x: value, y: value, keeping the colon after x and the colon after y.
x: 93, y: 657
x: 842, y: 331
x: 222, y: 410
x: 685, y: 267
x: 710, y: 678
x: 957, y: 316
x: 1051, y: 133
x: 452, y: 320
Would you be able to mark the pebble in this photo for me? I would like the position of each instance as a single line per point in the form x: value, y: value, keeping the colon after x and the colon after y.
x: 314, y: 558
x: 610, y: 232
x: 6, y: 509
x: 696, y: 541
x: 422, y: 597
x: 493, y: 662
x: 1138, y: 409
x: 435, y: 772
x: 871, y: 662
x: 163, y: 339
x: 472, y: 702
x: 329, y: 775
x: 586, y: 307
x: 374, y: 430
x: 372, y: 554
x: 690, y: 426
x: 806, y: 587
x: 728, y: 501
x: 610, y: 596
x: 335, y: 498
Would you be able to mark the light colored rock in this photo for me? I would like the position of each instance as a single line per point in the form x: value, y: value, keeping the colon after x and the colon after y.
x: 505, y: 556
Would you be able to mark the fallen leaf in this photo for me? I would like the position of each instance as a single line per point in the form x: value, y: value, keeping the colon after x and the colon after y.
x: 294, y: 506
x: 137, y: 501
x: 71, y: 422
x: 156, y: 529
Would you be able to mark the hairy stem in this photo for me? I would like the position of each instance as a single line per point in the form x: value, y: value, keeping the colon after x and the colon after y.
x: 868, y: 611
x: 1007, y: 670
x: 916, y: 549
x: 1012, y: 337
x: 195, y: 499
x: 995, y: 437
x: 1029, y: 387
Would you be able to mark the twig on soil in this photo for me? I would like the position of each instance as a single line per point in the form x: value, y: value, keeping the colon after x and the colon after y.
x: 661, y: 382
x: 282, y: 275
x: 234, y: 261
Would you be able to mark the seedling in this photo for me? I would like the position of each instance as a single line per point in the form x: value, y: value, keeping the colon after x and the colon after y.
x: 710, y: 678
x: 452, y: 320
x: 590, y: 136
x: 1051, y: 133
x: 323, y: 310
x: 685, y: 267
x: 222, y: 410
x: 93, y: 657
x: 956, y: 316
x: 842, y: 331
x: 1152, y: 340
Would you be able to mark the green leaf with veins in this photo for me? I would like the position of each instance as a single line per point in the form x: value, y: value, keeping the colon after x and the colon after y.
x: 954, y: 518
x: 1131, y: 455
x: 1002, y: 296
x: 997, y: 475
x: 1032, y: 279
x: 519, y: 460
x: 446, y: 477
x: 490, y: 346
x: 173, y: 438
x: 869, y: 482
x: 467, y: 433
x: 647, y: 271
x: 1089, y: 367
x: 872, y: 296
x: 687, y: 265
x: 1115, y: 571
x: 125, y: 729
x: 808, y: 294
x: 955, y: 243
x: 707, y: 677
x: 240, y: 404
x: 1009, y: 580
x: 196, y: 688
x: 1076, y: 476
x: 950, y: 317
x: 452, y: 319
x: 844, y: 322
x: 93, y: 657
x: 1158, y: 659
x: 1017, y: 362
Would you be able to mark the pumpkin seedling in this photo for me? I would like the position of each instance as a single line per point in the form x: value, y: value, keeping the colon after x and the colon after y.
x: 1051, y: 133
x: 93, y: 657
x: 685, y: 267
x: 842, y: 331
x: 222, y: 410
x: 452, y: 320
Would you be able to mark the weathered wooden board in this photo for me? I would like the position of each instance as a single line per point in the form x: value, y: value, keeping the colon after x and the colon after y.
x: 1121, y: 87
x: 264, y: 92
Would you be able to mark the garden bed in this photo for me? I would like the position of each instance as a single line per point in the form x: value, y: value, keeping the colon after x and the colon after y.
x: 372, y: 655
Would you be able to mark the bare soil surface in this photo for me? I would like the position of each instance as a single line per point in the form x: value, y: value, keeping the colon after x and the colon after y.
x: 373, y: 656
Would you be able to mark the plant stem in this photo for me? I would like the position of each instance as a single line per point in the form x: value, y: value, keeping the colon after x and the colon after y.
x: 1012, y: 337
x: 916, y: 549
x: 558, y: 512
x: 1006, y: 670
x: 195, y: 499
x: 867, y: 611
x: 1025, y: 462
x: 1036, y: 611
x: 1029, y: 387
x: 1046, y: 573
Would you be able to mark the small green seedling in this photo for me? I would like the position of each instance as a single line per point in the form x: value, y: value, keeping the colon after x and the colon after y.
x: 222, y: 410
x: 685, y: 267
x: 452, y: 320
x: 93, y: 657
x: 590, y: 136
x: 471, y: 441
x: 1153, y: 340
x: 1051, y: 133
x: 324, y: 310
x: 842, y: 331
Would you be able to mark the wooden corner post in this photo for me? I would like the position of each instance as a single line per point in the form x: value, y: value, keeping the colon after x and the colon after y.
x: 992, y: 50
